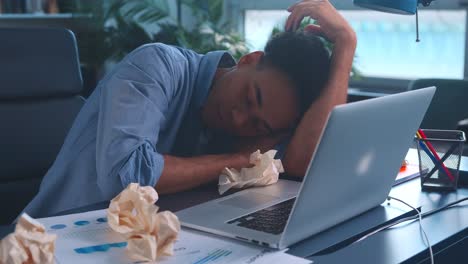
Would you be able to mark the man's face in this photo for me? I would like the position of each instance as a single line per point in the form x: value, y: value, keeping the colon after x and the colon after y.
x: 248, y: 101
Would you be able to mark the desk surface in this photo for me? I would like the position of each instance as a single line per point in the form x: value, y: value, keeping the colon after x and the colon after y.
x: 404, y: 243
x: 398, y: 244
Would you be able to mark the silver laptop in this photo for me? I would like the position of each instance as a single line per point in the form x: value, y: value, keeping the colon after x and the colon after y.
x: 352, y: 170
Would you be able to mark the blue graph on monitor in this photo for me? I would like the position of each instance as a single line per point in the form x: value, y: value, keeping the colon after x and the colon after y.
x: 213, y: 256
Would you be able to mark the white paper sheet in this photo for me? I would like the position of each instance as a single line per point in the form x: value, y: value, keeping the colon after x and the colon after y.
x: 87, y: 238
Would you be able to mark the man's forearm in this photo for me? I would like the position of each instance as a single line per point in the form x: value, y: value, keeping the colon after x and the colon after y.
x: 184, y: 173
x: 307, y: 134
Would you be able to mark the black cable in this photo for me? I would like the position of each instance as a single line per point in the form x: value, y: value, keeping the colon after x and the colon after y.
x: 444, y: 207
x: 417, y: 26
x: 414, y: 217
x: 402, y: 220
x: 420, y: 225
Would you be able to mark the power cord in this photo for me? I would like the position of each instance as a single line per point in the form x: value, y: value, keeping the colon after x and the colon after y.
x: 444, y: 207
x: 420, y: 225
x: 410, y: 218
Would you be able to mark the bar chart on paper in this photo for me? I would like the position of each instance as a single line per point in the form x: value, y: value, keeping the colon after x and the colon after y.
x: 87, y: 238
x: 214, y: 256
x: 199, y: 248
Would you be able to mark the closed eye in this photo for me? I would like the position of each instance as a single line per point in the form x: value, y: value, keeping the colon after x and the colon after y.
x: 261, y: 124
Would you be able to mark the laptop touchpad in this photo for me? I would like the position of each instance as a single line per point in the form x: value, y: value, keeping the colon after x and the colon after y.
x: 248, y: 200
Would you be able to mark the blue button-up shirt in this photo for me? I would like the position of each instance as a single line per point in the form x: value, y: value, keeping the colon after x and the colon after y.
x: 147, y: 106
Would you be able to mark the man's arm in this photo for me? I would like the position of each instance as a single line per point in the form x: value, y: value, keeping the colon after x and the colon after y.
x: 132, y: 106
x: 180, y: 174
x: 336, y: 29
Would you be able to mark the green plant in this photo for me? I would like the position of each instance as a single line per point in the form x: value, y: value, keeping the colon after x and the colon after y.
x: 210, y: 31
x: 119, y: 26
x: 115, y: 28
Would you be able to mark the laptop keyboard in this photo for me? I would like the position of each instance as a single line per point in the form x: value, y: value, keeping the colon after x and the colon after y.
x: 269, y: 220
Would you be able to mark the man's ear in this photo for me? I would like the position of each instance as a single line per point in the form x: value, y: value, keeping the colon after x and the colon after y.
x: 251, y: 59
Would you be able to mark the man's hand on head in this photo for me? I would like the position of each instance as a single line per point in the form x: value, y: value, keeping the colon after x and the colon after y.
x: 331, y: 25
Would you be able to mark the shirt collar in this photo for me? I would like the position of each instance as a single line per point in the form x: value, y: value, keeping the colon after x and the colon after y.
x: 206, y: 72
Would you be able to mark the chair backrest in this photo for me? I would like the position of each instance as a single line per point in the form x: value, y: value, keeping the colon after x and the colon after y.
x: 449, y: 105
x: 40, y: 83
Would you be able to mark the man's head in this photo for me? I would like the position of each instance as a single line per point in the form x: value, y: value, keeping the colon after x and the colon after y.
x: 267, y: 92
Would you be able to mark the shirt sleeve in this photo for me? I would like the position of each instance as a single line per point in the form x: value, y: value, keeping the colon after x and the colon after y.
x: 133, y: 105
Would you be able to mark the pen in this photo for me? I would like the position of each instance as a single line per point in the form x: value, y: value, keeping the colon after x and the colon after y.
x: 428, y: 148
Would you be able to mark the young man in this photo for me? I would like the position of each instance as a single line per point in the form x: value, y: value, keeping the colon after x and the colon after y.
x: 173, y: 119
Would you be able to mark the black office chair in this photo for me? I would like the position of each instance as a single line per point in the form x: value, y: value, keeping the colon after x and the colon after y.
x: 449, y: 105
x: 40, y: 83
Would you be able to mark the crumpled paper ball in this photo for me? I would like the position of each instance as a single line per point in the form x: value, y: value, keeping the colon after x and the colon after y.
x: 149, y: 234
x: 265, y: 171
x: 28, y: 244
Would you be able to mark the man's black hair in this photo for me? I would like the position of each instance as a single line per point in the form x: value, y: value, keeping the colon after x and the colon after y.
x: 305, y: 61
